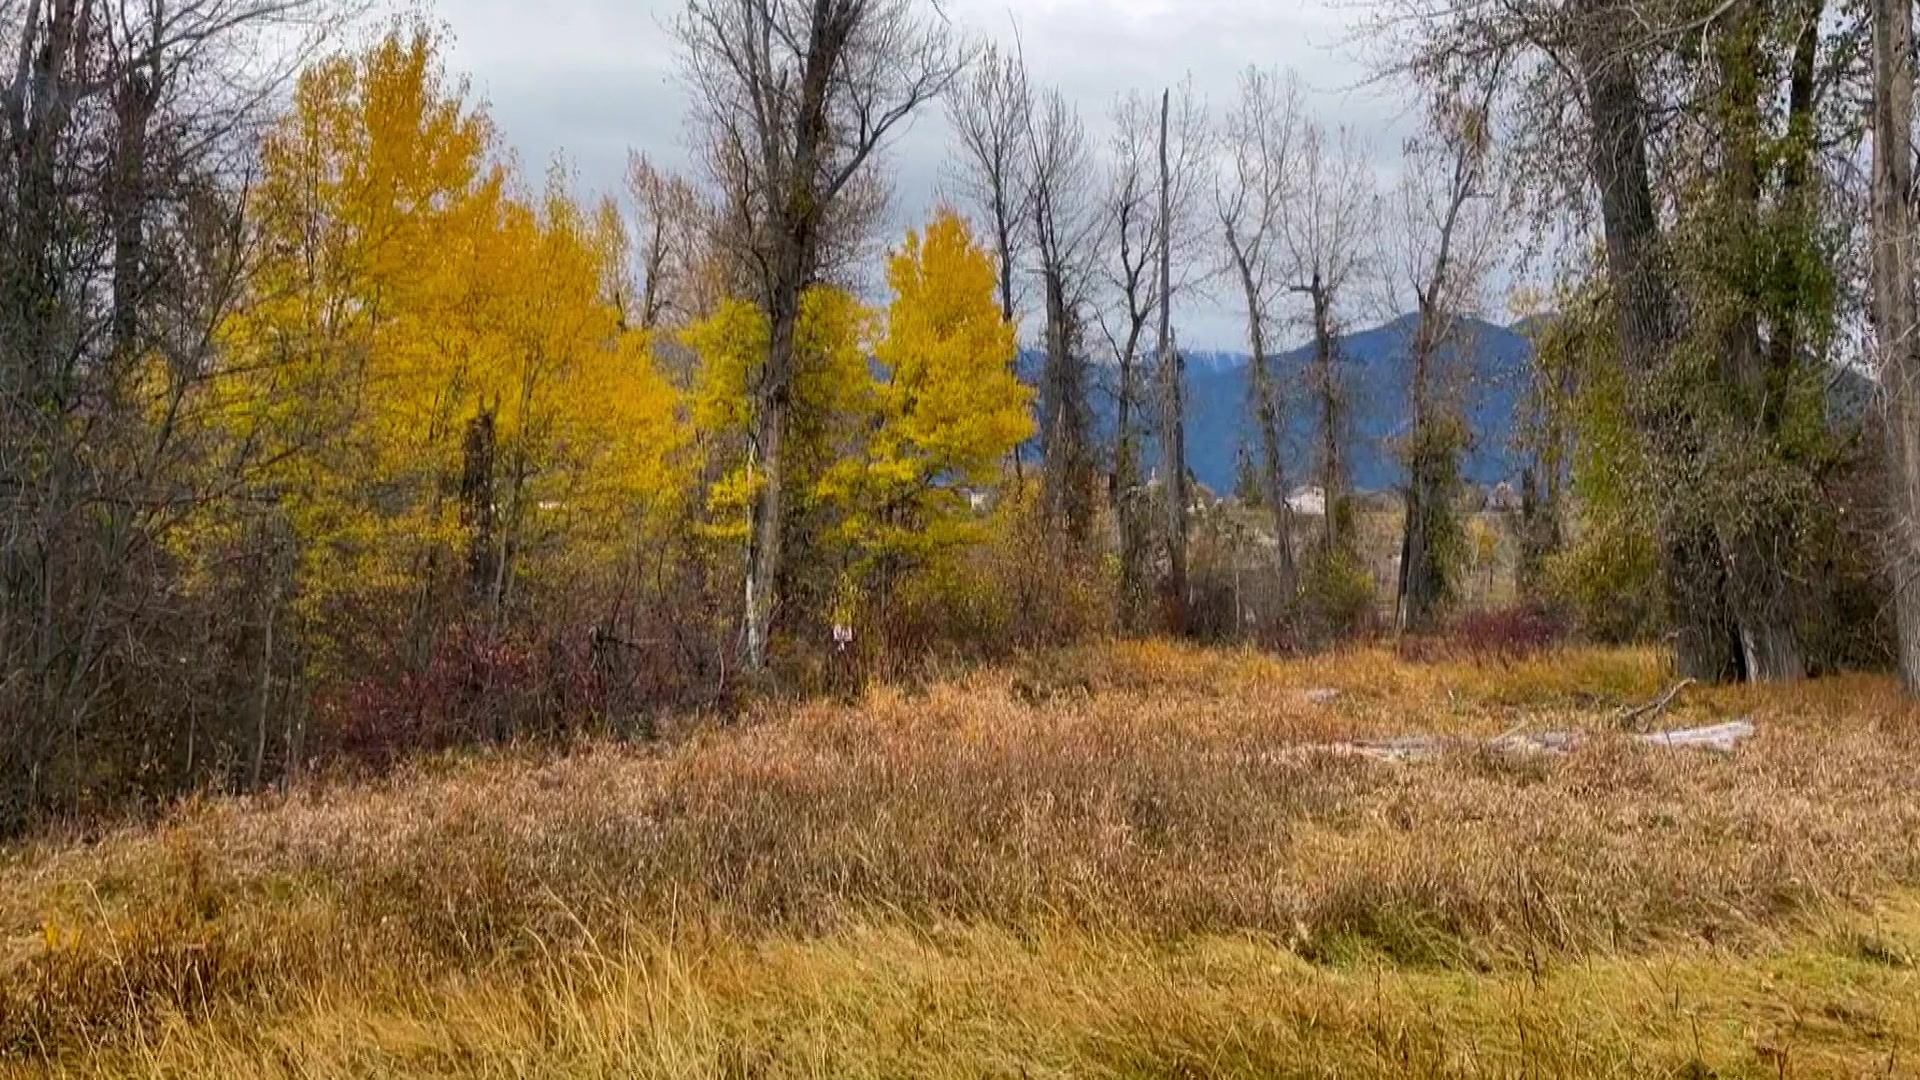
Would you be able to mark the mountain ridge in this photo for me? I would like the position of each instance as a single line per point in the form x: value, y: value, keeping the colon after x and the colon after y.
x: 1491, y: 373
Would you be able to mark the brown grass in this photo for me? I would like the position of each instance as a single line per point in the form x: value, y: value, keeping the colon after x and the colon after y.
x: 1134, y: 840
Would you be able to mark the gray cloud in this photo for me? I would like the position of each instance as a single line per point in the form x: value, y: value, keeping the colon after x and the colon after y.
x: 588, y: 79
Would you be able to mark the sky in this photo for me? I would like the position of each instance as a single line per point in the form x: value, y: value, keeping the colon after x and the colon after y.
x: 590, y: 79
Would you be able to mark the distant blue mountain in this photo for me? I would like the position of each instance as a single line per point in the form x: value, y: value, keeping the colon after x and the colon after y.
x: 1490, y: 373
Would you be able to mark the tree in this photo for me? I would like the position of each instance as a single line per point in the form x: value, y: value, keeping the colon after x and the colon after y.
x: 1173, y: 443
x: 1323, y: 239
x: 1131, y: 234
x: 120, y: 244
x: 1064, y: 230
x: 456, y: 425
x: 798, y: 97
x: 947, y: 405
x: 376, y: 210
x: 1697, y: 141
x: 1259, y: 133
x: 1448, y: 230
x: 1896, y: 312
x: 1150, y: 224
x: 673, y: 219
x: 990, y: 111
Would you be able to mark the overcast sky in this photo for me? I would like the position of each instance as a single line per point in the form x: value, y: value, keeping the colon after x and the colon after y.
x: 589, y: 79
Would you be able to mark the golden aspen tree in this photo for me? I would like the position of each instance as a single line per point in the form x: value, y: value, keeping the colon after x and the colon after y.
x: 440, y: 364
x: 375, y: 211
x: 949, y: 408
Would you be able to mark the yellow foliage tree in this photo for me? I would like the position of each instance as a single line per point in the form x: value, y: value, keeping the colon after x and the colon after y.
x: 832, y: 397
x: 891, y: 434
x: 948, y: 405
x: 436, y: 365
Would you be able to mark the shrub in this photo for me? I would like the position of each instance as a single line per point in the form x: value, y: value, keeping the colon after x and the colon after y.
x: 1338, y: 597
x: 1510, y: 633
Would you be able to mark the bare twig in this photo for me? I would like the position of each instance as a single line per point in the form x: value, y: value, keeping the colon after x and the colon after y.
x: 1633, y: 718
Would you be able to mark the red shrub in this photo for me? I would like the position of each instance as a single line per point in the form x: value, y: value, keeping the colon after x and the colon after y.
x: 1511, y: 633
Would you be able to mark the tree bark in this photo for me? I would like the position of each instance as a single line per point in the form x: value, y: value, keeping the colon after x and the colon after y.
x: 1643, y: 307
x: 770, y: 430
x: 1064, y: 422
x: 1418, y: 594
x: 1896, y: 314
x: 476, y: 505
x: 1124, y: 490
x: 1327, y: 382
x: 1758, y: 595
x: 1173, y: 446
x: 1267, y: 415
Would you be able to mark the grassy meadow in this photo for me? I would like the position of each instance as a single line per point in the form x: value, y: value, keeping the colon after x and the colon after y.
x: 1131, y: 860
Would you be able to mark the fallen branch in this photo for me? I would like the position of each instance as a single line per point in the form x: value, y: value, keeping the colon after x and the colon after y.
x: 1630, y: 719
x: 1719, y: 738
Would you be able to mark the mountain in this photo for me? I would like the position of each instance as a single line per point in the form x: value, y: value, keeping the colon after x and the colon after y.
x: 1491, y: 370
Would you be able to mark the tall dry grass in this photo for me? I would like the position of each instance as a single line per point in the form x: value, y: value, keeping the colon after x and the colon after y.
x: 1130, y: 801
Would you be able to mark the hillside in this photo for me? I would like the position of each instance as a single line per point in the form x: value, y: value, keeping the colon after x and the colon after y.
x: 1492, y: 381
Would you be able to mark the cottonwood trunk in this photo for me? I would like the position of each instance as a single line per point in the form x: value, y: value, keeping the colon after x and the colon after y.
x: 1758, y: 596
x: 1003, y: 247
x: 774, y: 399
x: 1124, y: 491
x: 134, y: 98
x: 1063, y: 421
x: 1418, y: 593
x: 476, y: 504
x: 1327, y: 379
x: 1173, y: 444
x: 1266, y: 407
x: 1896, y: 313
x: 1643, y: 306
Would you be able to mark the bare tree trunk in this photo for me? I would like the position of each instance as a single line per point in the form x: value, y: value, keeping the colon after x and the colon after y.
x: 1064, y: 421
x: 1173, y: 446
x: 1124, y: 490
x: 763, y: 552
x: 1003, y: 247
x: 1266, y: 407
x: 476, y: 504
x: 134, y: 100
x: 1896, y: 313
x: 1327, y: 383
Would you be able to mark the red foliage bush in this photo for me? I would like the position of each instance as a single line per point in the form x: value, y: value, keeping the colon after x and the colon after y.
x: 1510, y: 633
x: 478, y: 685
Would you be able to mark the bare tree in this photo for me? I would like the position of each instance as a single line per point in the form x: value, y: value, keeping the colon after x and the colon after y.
x: 1065, y: 228
x: 1447, y: 231
x: 1259, y: 132
x: 674, y: 222
x: 123, y: 128
x: 1131, y: 234
x: 799, y: 94
x: 989, y: 111
x: 1896, y: 312
x: 1184, y: 171
x: 1324, y: 243
x: 1148, y: 208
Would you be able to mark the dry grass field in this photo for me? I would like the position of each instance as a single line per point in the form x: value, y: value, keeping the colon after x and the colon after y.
x: 1132, y: 860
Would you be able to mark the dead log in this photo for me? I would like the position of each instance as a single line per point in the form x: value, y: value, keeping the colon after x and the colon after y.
x: 1719, y: 738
